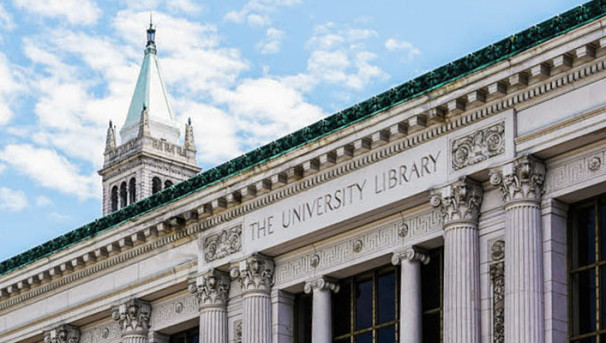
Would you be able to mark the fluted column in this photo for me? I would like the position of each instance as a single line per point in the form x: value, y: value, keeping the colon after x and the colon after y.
x: 460, y: 206
x: 256, y: 278
x: 62, y: 334
x: 133, y: 317
x: 411, y: 311
x: 521, y: 182
x: 212, y: 290
x: 321, y: 322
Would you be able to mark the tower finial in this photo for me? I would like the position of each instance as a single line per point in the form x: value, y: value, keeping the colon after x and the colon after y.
x: 110, y: 139
x: 151, y: 37
x: 189, y: 136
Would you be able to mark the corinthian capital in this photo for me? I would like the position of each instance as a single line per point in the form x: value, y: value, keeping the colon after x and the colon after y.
x: 459, y: 202
x: 410, y: 254
x: 62, y: 334
x: 133, y: 317
x: 211, y: 288
x: 521, y: 179
x: 322, y: 282
x: 255, y: 273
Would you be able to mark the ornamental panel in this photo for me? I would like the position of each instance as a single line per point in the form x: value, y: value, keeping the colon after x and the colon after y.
x: 478, y: 146
x: 223, y: 243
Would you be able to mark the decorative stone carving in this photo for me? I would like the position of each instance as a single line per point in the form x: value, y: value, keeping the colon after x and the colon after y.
x: 211, y: 288
x: 255, y: 273
x: 133, y: 317
x: 238, y: 331
x: 321, y: 283
x: 478, y: 146
x: 521, y: 179
x: 459, y: 201
x: 222, y: 244
x: 314, y: 261
x: 403, y: 230
x: 410, y: 254
x: 357, y: 245
x: 62, y: 334
x: 497, y: 276
x: 595, y: 163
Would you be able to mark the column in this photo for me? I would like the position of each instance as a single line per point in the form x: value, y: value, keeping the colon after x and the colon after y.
x: 62, y: 334
x: 256, y: 278
x: 212, y: 290
x: 521, y: 182
x: 459, y: 203
x: 411, y: 311
x: 133, y: 317
x: 321, y: 322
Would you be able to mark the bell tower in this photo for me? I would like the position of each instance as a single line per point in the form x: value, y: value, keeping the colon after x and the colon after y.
x: 149, y: 158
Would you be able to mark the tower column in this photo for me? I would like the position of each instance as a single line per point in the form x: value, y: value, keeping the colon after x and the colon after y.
x: 321, y: 322
x: 133, y: 318
x: 212, y: 290
x: 521, y: 182
x: 256, y: 278
x: 460, y: 206
x: 411, y: 311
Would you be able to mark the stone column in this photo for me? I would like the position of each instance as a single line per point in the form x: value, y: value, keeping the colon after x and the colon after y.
x: 62, y: 334
x: 256, y: 278
x: 411, y: 311
x: 282, y: 316
x: 460, y: 206
x: 212, y: 290
x: 133, y: 317
x: 521, y: 182
x: 321, y: 322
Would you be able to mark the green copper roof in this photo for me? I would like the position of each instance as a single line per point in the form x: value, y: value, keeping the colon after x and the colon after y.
x: 427, y: 82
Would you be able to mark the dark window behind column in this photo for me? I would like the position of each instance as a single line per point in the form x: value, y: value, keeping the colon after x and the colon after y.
x: 431, y: 281
x: 303, y: 308
x: 587, y: 271
x: 188, y: 336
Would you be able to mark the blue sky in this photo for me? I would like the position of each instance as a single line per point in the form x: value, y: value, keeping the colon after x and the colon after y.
x: 246, y: 72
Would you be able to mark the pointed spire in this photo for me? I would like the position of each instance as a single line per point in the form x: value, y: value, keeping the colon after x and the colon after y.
x: 189, y: 136
x: 144, y: 123
x: 150, y: 47
x: 110, y: 140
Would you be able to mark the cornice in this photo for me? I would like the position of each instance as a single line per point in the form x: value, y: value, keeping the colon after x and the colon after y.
x: 287, y: 180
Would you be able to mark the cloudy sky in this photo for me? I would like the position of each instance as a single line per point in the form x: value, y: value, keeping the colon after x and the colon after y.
x: 245, y: 71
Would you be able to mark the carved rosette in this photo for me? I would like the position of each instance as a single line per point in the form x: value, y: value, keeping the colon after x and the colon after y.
x: 133, y: 317
x: 255, y: 273
x: 211, y: 288
x: 478, y: 146
x: 411, y: 254
x: 459, y: 202
x: 62, y: 334
x: 222, y: 244
x: 520, y: 180
x: 321, y: 283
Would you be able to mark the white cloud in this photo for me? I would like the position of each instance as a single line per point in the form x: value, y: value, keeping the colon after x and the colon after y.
x: 51, y: 170
x: 10, y: 88
x: 75, y: 11
x: 6, y: 20
x: 59, y: 217
x: 2, y: 168
x: 393, y: 44
x: 257, y: 12
x: 12, y: 199
x: 272, y: 41
x: 43, y: 201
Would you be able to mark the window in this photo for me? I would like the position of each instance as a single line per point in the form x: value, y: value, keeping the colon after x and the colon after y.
x: 431, y: 304
x: 114, y: 199
x: 303, y: 314
x: 156, y: 185
x: 587, y: 271
x: 188, y: 336
x: 123, y: 195
x: 366, y: 307
x: 167, y: 184
x: 132, y: 190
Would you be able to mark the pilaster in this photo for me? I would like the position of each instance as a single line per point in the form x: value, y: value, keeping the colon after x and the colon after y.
x: 133, y: 317
x: 62, y: 334
x: 459, y: 203
x: 212, y: 290
x: 321, y: 325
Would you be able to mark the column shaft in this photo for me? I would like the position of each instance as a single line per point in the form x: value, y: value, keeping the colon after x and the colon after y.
x: 321, y: 325
x: 213, y: 325
x: 461, y: 284
x: 134, y: 339
x: 523, y: 273
x: 411, y: 313
x: 256, y: 326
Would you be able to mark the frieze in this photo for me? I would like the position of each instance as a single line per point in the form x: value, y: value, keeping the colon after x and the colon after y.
x: 578, y: 169
x: 478, y: 146
x: 223, y: 243
x: 384, y: 238
x: 107, y: 333
x: 174, y: 311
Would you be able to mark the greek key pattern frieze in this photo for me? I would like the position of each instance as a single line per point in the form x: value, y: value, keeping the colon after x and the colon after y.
x: 384, y: 238
x: 567, y: 173
x: 175, y: 311
x: 223, y: 243
x: 108, y: 333
x: 478, y: 146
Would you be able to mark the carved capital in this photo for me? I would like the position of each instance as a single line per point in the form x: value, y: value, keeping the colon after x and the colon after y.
x: 133, y: 317
x: 255, y: 273
x: 459, y: 202
x: 410, y: 254
x: 320, y: 284
x: 520, y: 180
x: 211, y: 288
x: 62, y: 334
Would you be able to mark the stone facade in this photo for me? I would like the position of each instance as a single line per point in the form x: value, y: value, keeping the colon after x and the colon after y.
x: 483, y: 170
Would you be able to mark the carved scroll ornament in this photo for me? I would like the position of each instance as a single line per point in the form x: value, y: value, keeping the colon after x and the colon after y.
x: 222, y: 244
x: 478, y: 146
